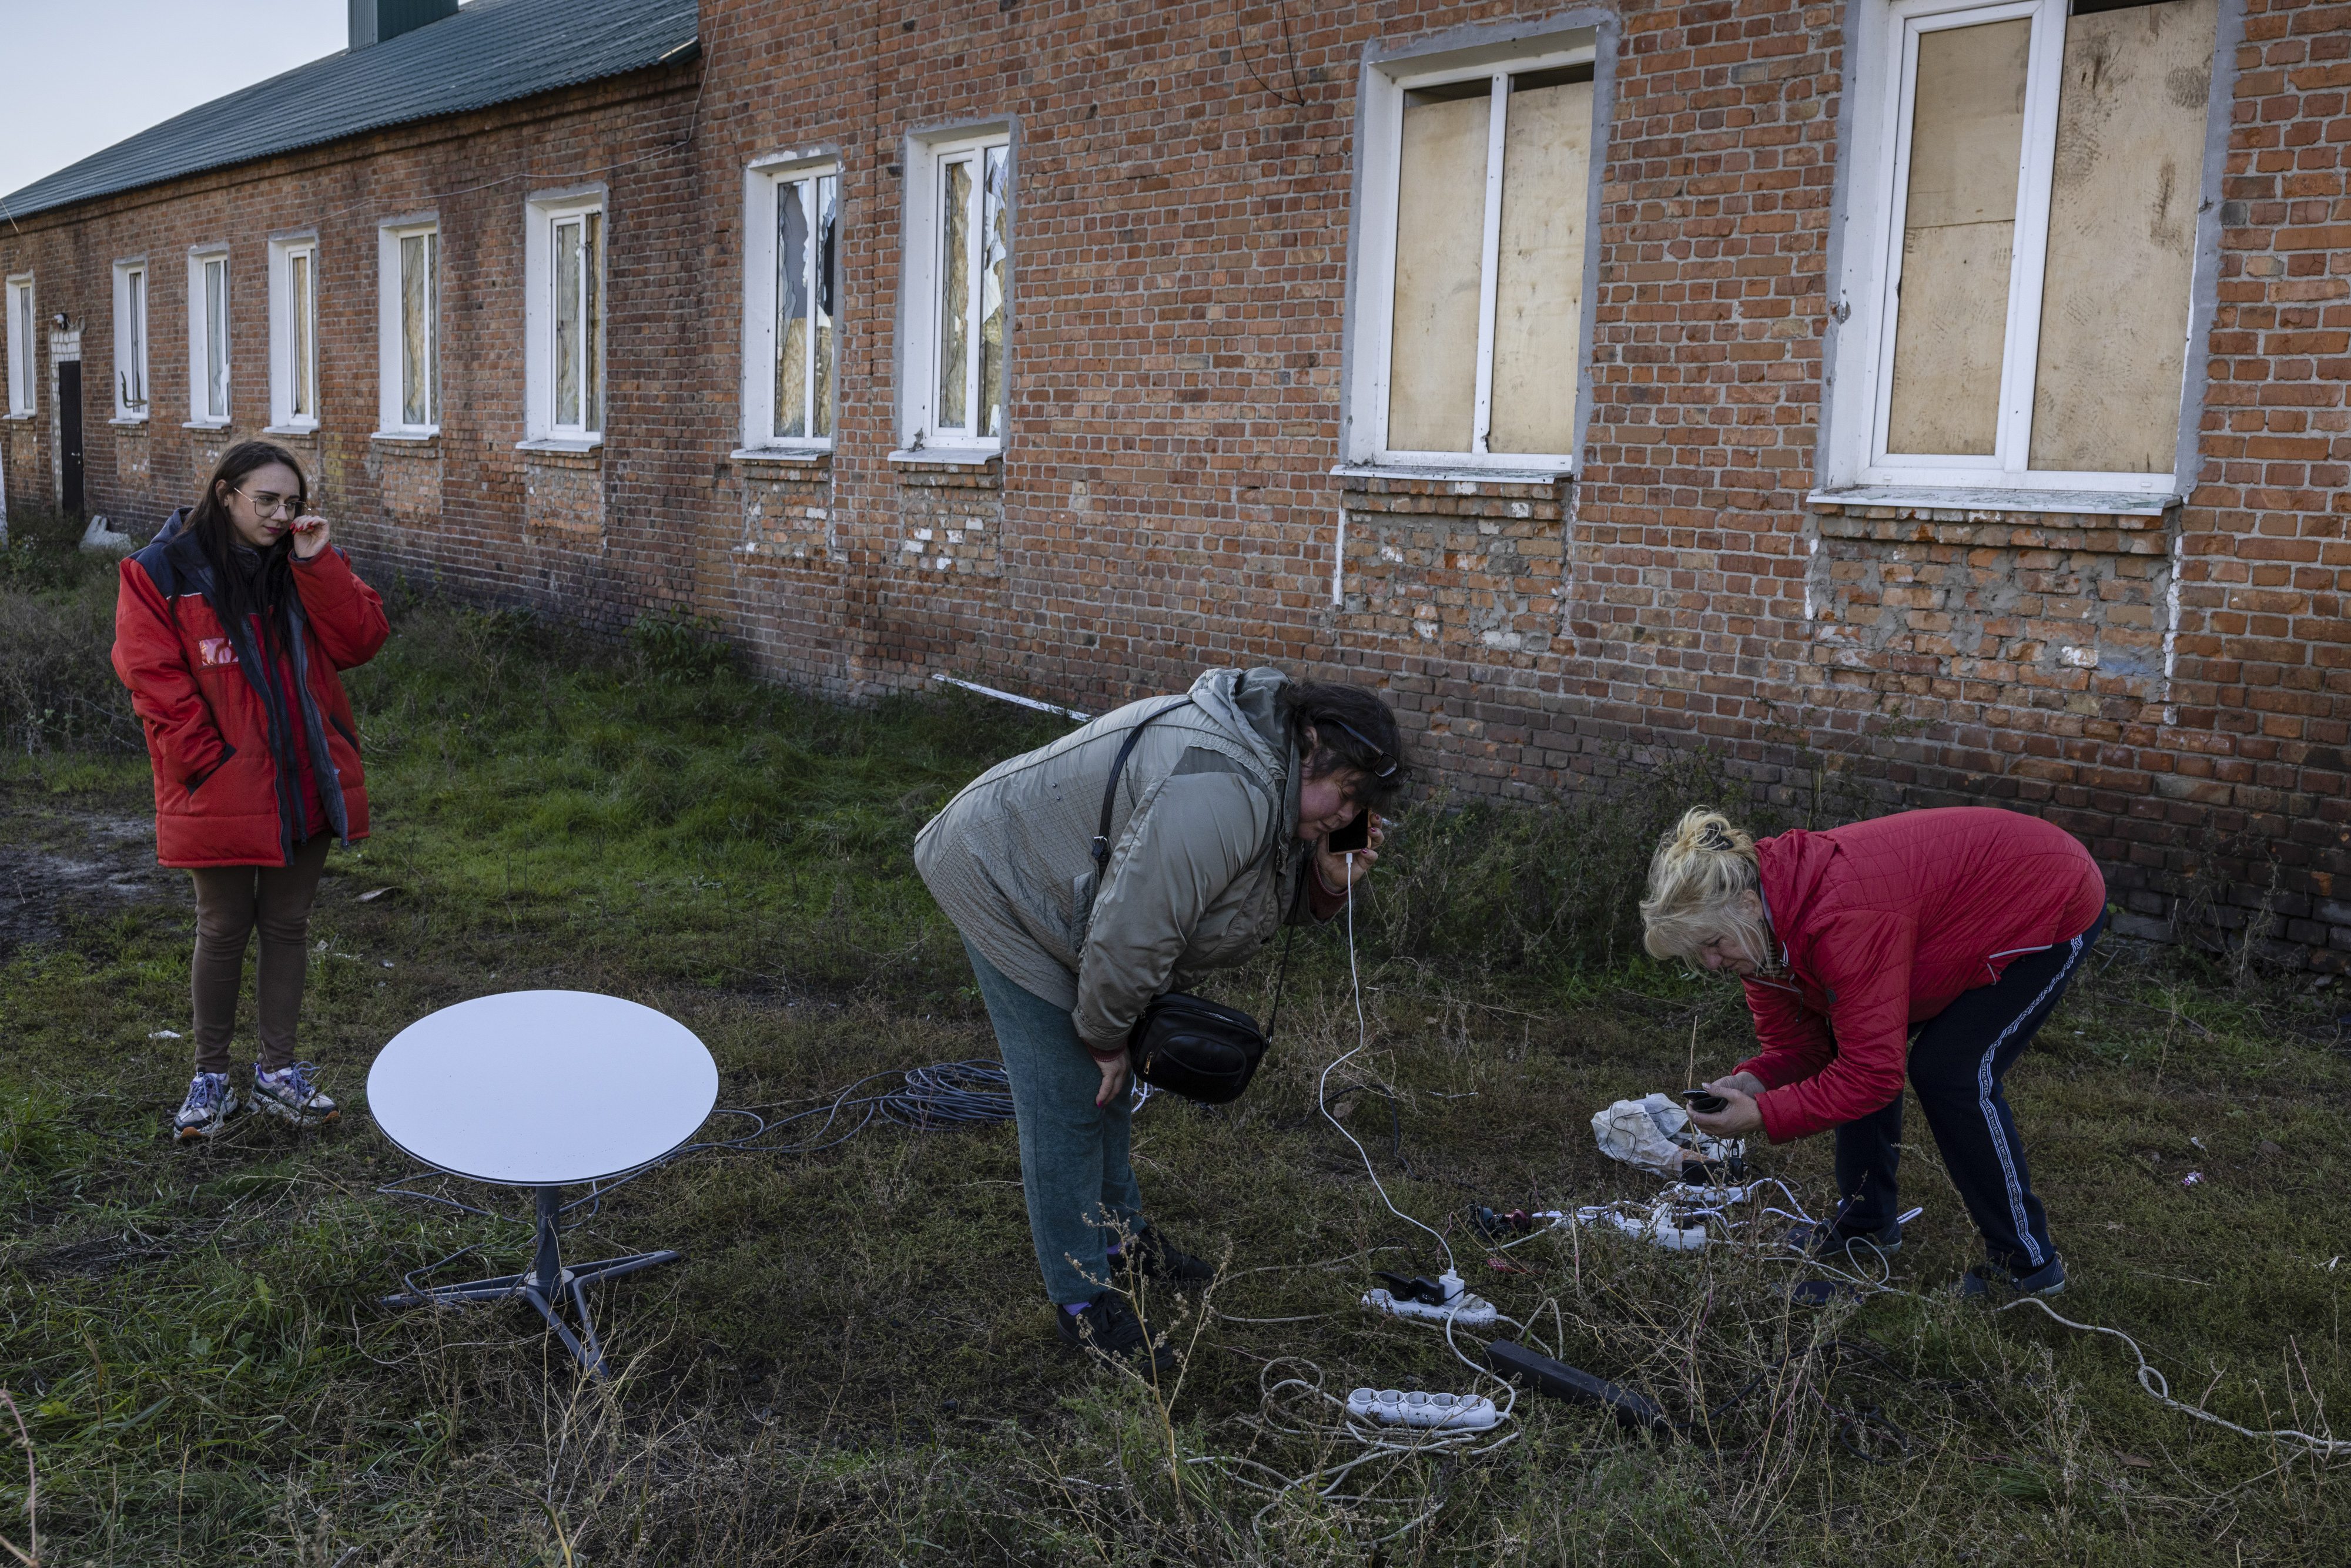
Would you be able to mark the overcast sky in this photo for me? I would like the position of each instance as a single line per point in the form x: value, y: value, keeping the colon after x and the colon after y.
x: 84, y: 74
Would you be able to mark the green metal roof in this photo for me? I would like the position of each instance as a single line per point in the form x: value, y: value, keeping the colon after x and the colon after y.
x: 492, y: 51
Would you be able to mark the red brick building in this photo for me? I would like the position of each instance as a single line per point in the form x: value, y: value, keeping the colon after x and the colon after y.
x: 1945, y: 396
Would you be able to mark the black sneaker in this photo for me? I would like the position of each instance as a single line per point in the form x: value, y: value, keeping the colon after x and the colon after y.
x: 1108, y: 1330
x: 1986, y: 1280
x: 1150, y: 1256
x: 1835, y: 1239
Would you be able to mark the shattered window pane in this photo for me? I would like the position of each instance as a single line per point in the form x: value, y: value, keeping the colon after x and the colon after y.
x: 792, y: 234
x: 298, y: 267
x: 955, y: 296
x: 415, y: 331
x: 591, y: 323
x: 216, y: 339
x: 994, y: 245
x: 828, y: 206
x: 567, y: 366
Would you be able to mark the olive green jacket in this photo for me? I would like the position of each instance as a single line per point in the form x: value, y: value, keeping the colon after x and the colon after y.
x: 1205, y: 863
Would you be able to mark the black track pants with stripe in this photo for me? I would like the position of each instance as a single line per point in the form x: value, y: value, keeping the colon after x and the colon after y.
x: 1958, y: 1058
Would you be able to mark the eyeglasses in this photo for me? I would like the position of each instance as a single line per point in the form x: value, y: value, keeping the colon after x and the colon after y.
x: 270, y: 506
x: 1387, y: 765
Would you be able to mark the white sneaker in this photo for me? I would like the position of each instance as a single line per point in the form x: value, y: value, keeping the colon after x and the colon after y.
x: 212, y: 1101
x: 289, y: 1094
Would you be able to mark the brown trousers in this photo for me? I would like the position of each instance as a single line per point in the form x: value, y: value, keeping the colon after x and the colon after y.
x: 231, y: 900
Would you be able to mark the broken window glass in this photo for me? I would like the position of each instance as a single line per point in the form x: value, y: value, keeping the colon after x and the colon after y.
x: 793, y: 234
x: 217, y: 337
x: 301, y: 404
x: 994, y: 245
x: 955, y: 295
x: 415, y: 329
x: 822, y: 376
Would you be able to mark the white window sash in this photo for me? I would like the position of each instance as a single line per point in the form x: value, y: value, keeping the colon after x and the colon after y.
x: 19, y: 327
x: 130, y: 395
x: 1861, y: 411
x: 396, y: 362
x: 1376, y: 303
x: 922, y: 416
x: 210, y: 348
x: 293, y: 334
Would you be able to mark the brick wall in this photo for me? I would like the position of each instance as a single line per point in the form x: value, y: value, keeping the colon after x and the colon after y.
x: 2175, y: 688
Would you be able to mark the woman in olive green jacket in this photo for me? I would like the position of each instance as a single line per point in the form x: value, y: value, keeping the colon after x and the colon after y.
x: 1216, y: 838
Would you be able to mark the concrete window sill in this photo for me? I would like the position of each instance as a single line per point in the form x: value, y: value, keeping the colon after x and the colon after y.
x: 1467, y: 479
x: 289, y: 430
x: 785, y: 456
x: 138, y: 422
x: 207, y: 424
x: 1974, y: 499
x: 565, y: 445
x: 946, y: 457
x: 406, y: 437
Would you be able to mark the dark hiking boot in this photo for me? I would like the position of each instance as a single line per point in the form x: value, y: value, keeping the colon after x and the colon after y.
x: 1150, y: 1256
x: 1109, y: 1331
x: 1987, y: 1279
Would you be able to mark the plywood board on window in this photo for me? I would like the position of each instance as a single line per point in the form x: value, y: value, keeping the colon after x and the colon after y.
x: 1440, y: 236
x: 1539, y: 274
x: 1958, y: 230
x: 2122, y: 238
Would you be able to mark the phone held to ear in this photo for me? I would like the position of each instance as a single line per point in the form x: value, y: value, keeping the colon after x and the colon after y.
x: 1355, y: 835
x: 1698, y: 1100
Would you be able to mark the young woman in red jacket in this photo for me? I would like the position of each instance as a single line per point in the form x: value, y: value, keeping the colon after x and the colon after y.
x: 229, y: 630
x: 1935, y: 942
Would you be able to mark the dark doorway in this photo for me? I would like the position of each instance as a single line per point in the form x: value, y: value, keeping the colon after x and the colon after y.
x: 69, y: 435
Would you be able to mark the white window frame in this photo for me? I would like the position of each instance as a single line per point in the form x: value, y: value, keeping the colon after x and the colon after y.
x: 23, y: 327
x: 927, y: 156
x: 1885, y: 46
x: 199, y: 415
x: 392, y: 422
x: 1371, y: 344
x: 764, y: 182
x: 542, y: 214
x: 285, y: 375
x: 134, y: 392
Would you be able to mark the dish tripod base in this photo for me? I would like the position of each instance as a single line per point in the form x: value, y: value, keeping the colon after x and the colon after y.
x: 545, y: 1286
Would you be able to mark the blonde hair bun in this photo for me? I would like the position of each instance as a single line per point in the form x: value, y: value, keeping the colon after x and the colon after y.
x: 1703, y: 864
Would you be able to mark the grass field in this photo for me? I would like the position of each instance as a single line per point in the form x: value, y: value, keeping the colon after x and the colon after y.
x: 854, y: 1363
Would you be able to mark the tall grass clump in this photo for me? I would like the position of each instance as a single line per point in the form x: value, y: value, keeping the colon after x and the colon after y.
x: 58, y: 686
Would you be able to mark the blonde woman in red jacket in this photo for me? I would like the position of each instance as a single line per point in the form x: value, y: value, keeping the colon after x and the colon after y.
x: 1931, y: 943
x: 230, y: 629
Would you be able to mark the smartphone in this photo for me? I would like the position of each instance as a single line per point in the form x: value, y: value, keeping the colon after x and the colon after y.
x: 1699, y: 1099
x: 1355, y: 835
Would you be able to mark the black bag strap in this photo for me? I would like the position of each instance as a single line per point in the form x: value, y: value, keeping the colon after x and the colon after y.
x: 1110, y: 792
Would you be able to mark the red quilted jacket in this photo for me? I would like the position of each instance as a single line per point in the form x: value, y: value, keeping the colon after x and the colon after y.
x: 1880, y: 925
x: 221, y: 735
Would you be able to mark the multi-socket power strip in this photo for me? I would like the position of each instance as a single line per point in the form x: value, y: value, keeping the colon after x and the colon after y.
x: 1453, y: 1302
x: 1444, y: 1412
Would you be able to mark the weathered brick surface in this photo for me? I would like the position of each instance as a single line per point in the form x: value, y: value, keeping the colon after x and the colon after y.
x: 2176, y: 690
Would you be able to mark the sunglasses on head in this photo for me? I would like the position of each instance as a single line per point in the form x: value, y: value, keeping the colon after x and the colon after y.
x: 1386, y: 764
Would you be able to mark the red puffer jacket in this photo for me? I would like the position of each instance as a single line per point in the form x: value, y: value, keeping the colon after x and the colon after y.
x: 229, y: 773
x: 1880, y: 925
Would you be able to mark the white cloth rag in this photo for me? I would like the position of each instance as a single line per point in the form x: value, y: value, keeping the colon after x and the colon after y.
x: 1653, y: 1134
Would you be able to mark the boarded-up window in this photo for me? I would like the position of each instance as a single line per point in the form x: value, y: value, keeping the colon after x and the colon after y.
x: 2122, y: 237
x: 1486, y: 332
x: 2041, y: 241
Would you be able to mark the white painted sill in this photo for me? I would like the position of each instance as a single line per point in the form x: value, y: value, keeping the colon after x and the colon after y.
x: 310, y: 429
x: 798, y: 455
x: 966, y: 456
x: 25, y: 418
x: 128, y: 421
x: 1987, y: 498
x: 405, y: 437
x: 1451, y: 475
x: 207, y: 424
x: 576, y: 447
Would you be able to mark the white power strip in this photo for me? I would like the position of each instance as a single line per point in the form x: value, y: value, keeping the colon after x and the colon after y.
x: 1443, y: 1412
x: 1458, y: 1307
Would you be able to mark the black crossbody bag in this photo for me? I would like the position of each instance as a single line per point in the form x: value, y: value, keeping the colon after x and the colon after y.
x: 1186, y: 1044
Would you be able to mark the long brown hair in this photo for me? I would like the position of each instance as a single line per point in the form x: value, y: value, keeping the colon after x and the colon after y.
x: 269, y: 591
